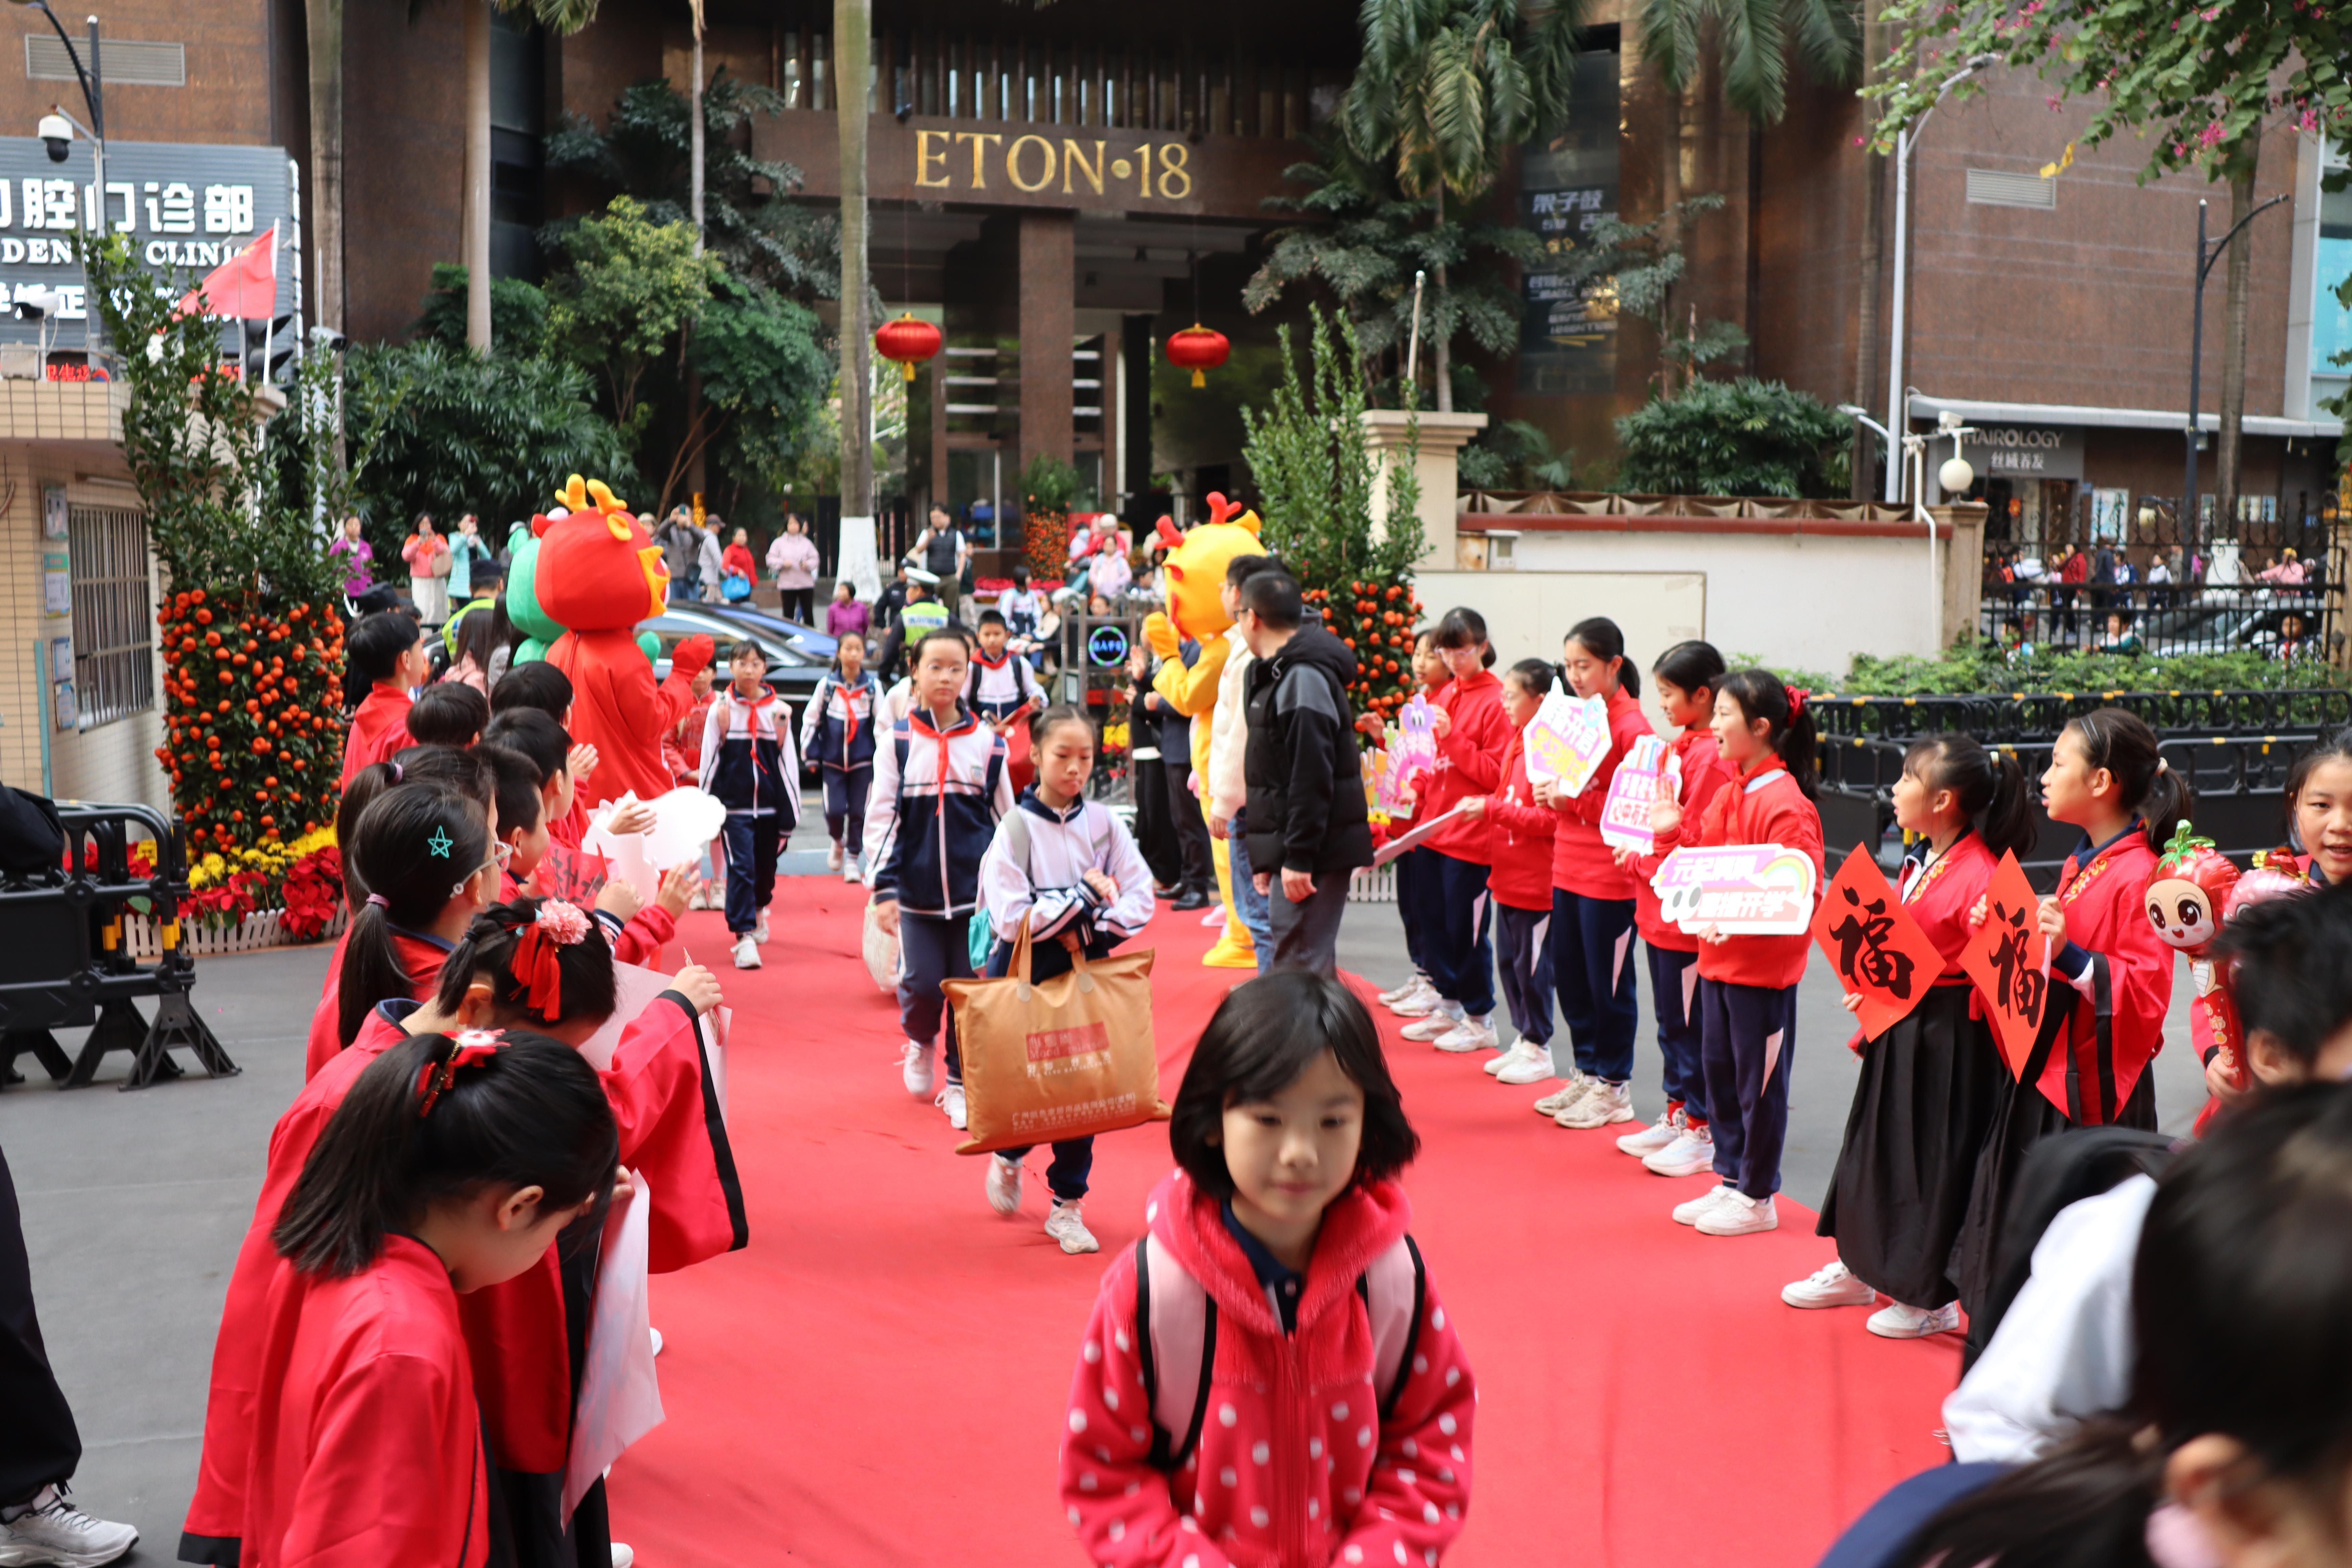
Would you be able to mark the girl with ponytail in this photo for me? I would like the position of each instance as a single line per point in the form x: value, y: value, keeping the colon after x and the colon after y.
x: 450, y: 1168
x: 428, y: 861
x: 2110, y: 977
x: 534, y: 964
x: 1925, y: 1096
x: 1748, y: 984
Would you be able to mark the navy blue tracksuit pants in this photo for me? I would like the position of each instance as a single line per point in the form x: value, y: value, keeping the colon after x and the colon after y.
x: 1674, y: 1001
x: 1747, y: 1038
x: 1456, y: 947
x: 1524, y: 956
x: 1074, y: 1158
x: 1592, y: 970
x: 1412, y: 869
x: 753, y: 842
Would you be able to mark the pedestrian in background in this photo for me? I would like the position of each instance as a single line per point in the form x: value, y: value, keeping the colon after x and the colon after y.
x: 358, y: 557
x: 792, y: 560
x: 466, y: 547
x: 427, y: 555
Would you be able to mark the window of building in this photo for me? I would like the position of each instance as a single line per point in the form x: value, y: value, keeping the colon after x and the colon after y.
x: 2331, y: 319
x: 129, y: 62
x: 2008, y: 188
x: 113, y: 615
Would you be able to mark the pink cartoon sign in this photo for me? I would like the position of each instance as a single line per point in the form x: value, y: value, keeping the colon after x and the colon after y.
x: 1567, y: 740
x: 1642, y: 778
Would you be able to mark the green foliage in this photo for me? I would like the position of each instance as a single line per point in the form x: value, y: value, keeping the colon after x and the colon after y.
x: 644, y: 150
x: 2194, y: 83
x: 518, y: 312
x: 1445, y: 89
x: 1049, y: 484
x: 1314, y: 467
x: 449, y: 432
x: 1744, y: 438
x: 1634, y: 261
x: 1751, y: 40
x: 1976, y: 668
x: 1515, y: 455
x: 2341, y: 403
x: 764, y: 371
x: 1049, y: 488
x: 633, y: 285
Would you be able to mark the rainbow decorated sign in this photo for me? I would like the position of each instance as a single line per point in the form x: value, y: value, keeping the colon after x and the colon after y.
x: 1645, y: 775
x: 1740, y: 889
x: 1567, y: 741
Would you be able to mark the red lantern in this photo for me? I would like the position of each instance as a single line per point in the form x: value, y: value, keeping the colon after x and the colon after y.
x: 1198, y: 348
x: 907, y: 340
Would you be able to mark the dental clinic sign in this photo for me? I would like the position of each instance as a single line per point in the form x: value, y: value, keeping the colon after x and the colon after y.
x: 187, y: 208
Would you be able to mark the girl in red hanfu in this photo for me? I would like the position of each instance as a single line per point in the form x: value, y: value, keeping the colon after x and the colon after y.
x: 2110, y: 977
x: 499, y: 977
x: 450, y: 1168
x: 1926, y: 1094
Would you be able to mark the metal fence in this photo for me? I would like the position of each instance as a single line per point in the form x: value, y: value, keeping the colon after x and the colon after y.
x: 2141, y: 583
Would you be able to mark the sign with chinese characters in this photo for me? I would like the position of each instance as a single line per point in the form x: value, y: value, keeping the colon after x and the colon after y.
x: 187, y: 208
x: 1567, y: 740
x: 2009, y: 959
x: 1878, y: 950
x: 2024, y: 451
x: 1740, y: 889
x: 54, y: 515
x: 1633, y: 789
x: 1567, y: 185
x: 1106, y: 646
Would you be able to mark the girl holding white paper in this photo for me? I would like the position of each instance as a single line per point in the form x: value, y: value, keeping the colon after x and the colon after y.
x: 1418, y: 993
x: 1748, y: 984
x: 1453, y: 903
x: 1519, y: 835
x: 1592, y: 898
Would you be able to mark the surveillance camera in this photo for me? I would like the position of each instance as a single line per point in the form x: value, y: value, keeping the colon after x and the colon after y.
x: 326, y: 338
x: 57, y: 132
x: 34, y: 304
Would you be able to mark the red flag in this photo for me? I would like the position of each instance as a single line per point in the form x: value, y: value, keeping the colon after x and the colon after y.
x: 245, y: 287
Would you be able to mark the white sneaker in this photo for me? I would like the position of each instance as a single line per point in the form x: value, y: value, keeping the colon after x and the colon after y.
x: 657, y: 1339
x: 915, y: 1070
x: 759, y: 933
x: 1897, y: 1321
x: 1469, y: 1035
x: 1003, y: 1184
x: 1605, y: 1106
x: 1688, y: 1155
x: 1738, y: 1214
x: 1523, y: 1063
x: 1396, y: 993
x: 1690, y: 1212
x: 850, y: 873
x: 624, y: 1556
x: 1833, y: 1285
x: 1417, y: 1003
x: 1066, y: 1226
x: 1653, y: 1137
x: 1439, y: 1020
x: 1576, y: 1086
x: 56, y: 1533
x: 951, y: 1099
x: 833, y: 856
x: 746, y: 951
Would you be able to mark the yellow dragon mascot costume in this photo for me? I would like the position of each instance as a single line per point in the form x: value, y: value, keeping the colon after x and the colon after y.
x: 1196, y: 566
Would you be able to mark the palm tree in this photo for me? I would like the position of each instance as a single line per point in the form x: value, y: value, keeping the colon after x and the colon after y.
x: 1445, y: 89
x: 557, y: 17
x: 1752, y: 40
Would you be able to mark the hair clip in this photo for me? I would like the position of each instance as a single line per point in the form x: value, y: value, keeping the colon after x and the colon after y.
x: 397, y: 771
x: 473, y: 1046
x: 563, y: 920
x: 539, y: 957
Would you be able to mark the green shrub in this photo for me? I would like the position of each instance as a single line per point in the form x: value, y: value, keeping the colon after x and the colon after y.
x: 1744, y: 438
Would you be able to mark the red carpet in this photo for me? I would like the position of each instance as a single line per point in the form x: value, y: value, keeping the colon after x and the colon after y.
x: 879, y: 1378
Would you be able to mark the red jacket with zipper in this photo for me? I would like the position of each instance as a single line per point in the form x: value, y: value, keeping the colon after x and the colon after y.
x: 1704, y: 772
x: 1766, y: 807
x: 1469, y: 761
x: 1518, y: 836
x: 1294, y: 1466
x: 1580, y: 862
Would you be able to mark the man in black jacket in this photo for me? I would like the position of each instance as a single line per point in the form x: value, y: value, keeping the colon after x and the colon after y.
x: 1307, y: 823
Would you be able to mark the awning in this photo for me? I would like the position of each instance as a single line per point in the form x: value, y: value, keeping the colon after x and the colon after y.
x: 1976, y: 412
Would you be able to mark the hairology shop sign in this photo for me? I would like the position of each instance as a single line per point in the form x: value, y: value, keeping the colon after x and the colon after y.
x: 2024, y: 452
x: 187, y: 208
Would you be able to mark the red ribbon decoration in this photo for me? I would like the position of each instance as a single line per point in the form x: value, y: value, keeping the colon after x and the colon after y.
x: 1798, y: 697
x: 538, y: 965
x: 434, y: 1081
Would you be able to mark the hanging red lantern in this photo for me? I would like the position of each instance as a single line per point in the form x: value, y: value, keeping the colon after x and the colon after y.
x: 907, y: 342
x: 1198, y: 348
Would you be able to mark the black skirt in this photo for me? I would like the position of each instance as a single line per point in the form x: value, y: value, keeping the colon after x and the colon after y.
x: 1921, y: 1110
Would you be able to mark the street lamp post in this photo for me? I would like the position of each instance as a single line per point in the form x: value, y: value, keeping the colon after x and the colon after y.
x: 1905, y: 140
x: 2206, y: 255
x: 57, y: 126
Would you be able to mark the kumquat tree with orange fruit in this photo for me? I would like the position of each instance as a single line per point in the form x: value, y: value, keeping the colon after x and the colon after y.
x: 1316, y: 470
x: 240, y: 481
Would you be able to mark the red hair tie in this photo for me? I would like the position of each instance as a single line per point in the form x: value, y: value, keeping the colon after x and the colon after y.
x: 1798, y: 697
x: 538, y: 961
x: 473, y: 1046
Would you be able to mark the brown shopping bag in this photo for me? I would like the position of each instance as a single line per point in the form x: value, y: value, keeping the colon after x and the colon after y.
x: 1060, y: 1059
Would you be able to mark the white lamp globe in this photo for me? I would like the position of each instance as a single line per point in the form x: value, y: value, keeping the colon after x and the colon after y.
x: 1955, y: 476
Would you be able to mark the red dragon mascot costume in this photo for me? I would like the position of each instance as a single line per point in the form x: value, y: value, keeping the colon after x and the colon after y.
x: 599, y: 574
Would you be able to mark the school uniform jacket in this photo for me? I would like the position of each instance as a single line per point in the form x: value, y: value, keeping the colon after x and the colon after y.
x: 666, y: 1108
x: 1704, y: 772
x: 937, y: 796
x: 1765, y: 807
x: 1518, y: 836
x: 1295, y: 1462
x: 2122, y: 975
x: 1047, y: 885
x: 999, y: 688
x: 1582, y: 862
x: 837, y: 725
x: 379, y: 730
x: 1227, y: 783
x: 748, y: 760
x: 368, y: 1448
x: 1469, y: 761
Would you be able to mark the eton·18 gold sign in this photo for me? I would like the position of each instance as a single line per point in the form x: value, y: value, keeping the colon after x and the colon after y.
x: 1032, y: 164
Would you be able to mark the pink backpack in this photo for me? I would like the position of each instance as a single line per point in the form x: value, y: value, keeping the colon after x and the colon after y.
x: 1176, y: 1329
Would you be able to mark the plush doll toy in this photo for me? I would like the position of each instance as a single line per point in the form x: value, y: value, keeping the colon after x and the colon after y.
x: 2191, y: 894
x: 597, y: 574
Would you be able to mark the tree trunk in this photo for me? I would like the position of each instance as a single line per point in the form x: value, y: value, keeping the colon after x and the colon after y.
x: 1670, y: 229
x: 1441, y: 354
x: 1873, y: 234
x: 323, y: 22
x: 477, y: 219
x: 2228, y: 448
x: 693, y: 113
x: 852, y: 22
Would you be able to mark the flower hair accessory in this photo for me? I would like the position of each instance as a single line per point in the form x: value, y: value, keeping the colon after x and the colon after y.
x: 563, y: 921
x: 470, y: 1049
x: 538, y: 960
